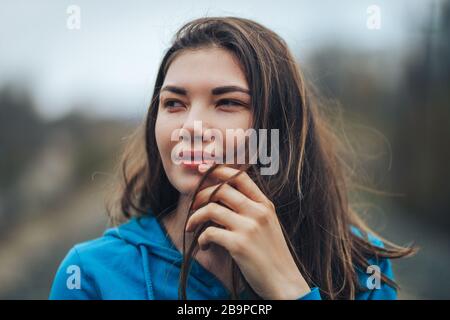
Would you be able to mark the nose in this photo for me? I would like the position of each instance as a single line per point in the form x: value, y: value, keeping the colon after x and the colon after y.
x: 196, y: 122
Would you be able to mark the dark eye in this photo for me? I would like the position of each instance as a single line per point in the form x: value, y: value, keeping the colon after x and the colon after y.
x: 229, y: 103
x: 172, y: 104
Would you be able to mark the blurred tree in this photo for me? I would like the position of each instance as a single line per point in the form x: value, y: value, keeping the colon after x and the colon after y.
x: 422, y: 135
x: 21, y: 132
x: 400, y: 99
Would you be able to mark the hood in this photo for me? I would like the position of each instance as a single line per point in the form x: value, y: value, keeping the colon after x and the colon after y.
x: 151, y: 239
x: 147, y: 231
x: 147, y: 234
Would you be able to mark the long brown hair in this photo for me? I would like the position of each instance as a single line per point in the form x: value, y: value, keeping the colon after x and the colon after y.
x: 310, y: 191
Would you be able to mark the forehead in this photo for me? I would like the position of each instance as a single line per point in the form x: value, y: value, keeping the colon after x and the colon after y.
x: 205, y: 68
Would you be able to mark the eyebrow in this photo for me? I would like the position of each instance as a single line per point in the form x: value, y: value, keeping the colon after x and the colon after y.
x: 216, y: 91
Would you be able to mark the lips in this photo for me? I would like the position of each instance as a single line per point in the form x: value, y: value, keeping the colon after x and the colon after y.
x: 196, y: 157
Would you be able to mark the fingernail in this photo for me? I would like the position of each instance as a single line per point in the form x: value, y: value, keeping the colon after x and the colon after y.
x: 204, y: 167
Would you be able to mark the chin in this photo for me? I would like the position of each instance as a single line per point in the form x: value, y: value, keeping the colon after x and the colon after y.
x: 184, y: 181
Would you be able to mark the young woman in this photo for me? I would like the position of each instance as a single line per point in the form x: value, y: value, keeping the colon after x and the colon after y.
x: 284, y: 233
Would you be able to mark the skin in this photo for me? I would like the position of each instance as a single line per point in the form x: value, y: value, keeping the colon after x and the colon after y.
x: 250, y: 232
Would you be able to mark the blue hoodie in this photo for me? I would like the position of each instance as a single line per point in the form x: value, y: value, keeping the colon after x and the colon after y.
x: 138, y: 260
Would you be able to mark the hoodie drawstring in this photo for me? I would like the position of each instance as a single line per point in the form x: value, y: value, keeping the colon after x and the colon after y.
x: 148, y: 280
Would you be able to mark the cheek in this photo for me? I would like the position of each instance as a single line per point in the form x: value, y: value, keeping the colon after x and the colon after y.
x: 159, y: 134
x: 242, y: 120
x: 233, y: 122
x: 238, y: 120
x: 163, y: 132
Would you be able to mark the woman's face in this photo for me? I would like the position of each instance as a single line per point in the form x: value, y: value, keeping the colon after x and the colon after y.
x: 204, y: 90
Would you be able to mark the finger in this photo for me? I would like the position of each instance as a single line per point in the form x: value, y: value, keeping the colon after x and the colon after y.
x: 222, y: 237
x: 226, y: 194
x: 241, y: 181
x: 216, y: 213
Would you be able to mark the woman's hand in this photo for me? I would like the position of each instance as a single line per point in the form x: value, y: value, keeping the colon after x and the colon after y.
x: 252, y: 235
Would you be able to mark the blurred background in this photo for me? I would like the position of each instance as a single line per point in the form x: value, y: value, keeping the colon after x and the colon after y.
x: 76, y: 77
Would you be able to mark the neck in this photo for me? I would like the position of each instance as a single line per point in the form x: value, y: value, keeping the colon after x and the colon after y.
x: 175, y: 221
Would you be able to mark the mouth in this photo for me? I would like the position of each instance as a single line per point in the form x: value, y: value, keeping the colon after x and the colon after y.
x: 192, y: 159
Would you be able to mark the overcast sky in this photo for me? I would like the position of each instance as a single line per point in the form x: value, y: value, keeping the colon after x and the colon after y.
x: 111, y: 62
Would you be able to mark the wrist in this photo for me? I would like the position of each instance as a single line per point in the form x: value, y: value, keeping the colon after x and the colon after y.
x: 293, y: 290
